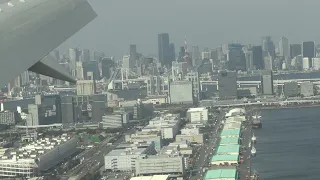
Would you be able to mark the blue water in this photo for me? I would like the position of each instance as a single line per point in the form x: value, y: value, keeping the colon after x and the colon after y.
x: 288, y: 145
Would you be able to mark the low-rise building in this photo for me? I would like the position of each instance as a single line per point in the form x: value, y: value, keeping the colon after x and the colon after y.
x: 123, y: 158
x: 221, y: 160
x: 225, y: 174
x: 228, y: 150
x: 160, y: 164
x: 198, y: 114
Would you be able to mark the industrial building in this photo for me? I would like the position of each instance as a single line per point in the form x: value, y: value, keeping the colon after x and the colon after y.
x: 198, y: 114
x: 221, y: 160
x: 228, y: 133
x: 37, y: 156
x: 228, y: 150
x: 221, y: 174
x: 124, y: 156
x: 306, y: 89
x: 160, y: 164
x: 290, y: 89
x: 181, y: 92
x: 229, y: 141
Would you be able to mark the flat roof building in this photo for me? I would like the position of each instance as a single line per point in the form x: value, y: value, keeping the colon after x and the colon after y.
x: 221, y: 174
x: 229, y: 141
x: 230, y: 133
x: 224, y: 160
x: 228, y: 150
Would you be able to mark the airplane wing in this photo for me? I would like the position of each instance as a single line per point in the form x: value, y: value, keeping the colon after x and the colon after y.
x: 31, y: 29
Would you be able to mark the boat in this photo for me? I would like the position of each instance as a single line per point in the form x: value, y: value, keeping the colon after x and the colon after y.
x: 256, y: 121
x: 253, y: 151
x: 255, y: 175
x: 253, y: 138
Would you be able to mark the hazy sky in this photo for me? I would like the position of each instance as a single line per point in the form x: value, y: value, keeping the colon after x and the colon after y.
x: 207, y: 23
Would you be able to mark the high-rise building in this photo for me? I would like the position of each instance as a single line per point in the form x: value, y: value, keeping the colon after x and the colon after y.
x: 268, y: 47
x: 295, y: 50
x: 227, y: 84
x: 98, y: 55
x: 164, y: 49
x: 309, y: 49
x: 86, y: 87
x: 249, y: 60
x: 133, y: 54
x: 79, y: 70
x: 236, y: 58
x: 284, y: 47
x: 267, y: 82
x: 257, y: 56
x: 85, y: 56
x: 127, y: 63
x: 172, y: 52
x: 106, y: 67
x: 73, y: 57
x: 67, y: 110
x: 91, y: 66
x: 98, y: 107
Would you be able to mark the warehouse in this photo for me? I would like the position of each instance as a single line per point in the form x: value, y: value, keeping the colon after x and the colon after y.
x: 232, y: 125
x: 228, y: 150
x: 229, y: 141
x: 220, y: 160
x: 230, y: 133
x: 155, y: 177
x: 221, y: 174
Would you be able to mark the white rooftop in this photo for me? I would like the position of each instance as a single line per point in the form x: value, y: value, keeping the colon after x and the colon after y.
x: 197, y: 109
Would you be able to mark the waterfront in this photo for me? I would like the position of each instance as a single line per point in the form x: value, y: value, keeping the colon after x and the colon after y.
x: 288, y: 143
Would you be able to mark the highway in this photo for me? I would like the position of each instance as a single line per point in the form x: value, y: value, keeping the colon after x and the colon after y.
x: 94, y: 158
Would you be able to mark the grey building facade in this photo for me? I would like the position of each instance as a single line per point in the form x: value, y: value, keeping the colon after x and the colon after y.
x: 181, y: 92
x: 227, y: 84
x: 267, y: 83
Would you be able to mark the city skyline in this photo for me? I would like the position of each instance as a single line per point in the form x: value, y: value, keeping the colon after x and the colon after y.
x: 112, y: 35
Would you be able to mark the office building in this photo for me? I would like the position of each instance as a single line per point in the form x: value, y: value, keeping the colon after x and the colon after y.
x: 7, y: 118
x: 306, y: 63
x: 86, y: 87
x: 73, y: 58
x: 295, y: 50
x: 133, y: 55
x: 115, y: 120
x: 267, y: 82
x: 306, y: 89
x: 164, y: 49
x: 236, y: 58
x: 36, y: 113
x: 85, y: 55
x: 79, y: 71
x: 194, y: 78
x: 249, y: 60
x: 38, y: 99
x: 268, y: 47
x: 68, y: 115
x: 106, y: 67
x: 153, y: 137
x: 181, y: 92
x: 227, y: 84
x: 157, y: 85
x: 98, y: 107
x: 316, y: 63
x: 308, y: 49
x: 257, y: 57
x: 284, y: 47
x: 98, y: 55
x: 91, y: 66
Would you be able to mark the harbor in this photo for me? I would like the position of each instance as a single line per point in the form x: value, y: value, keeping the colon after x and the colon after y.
x: 236, y: 146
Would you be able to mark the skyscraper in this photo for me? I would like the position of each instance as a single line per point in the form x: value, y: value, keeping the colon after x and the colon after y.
x: 236, y: 58
x: 172, y: 52
x: 73, y: 57
x: 85, y: 56
x: 257, y: 56
x: 227, y: 85
x: 308, y: 49
x: 133, y: 55
x: 268, y: 47
x: 295, y: 50
x: 284, y: 47
x: 267, y: 82
x: 164, y: 49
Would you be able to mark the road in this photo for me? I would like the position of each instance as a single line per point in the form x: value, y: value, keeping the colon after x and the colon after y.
x: 244, y: 167
x: 205, y: 152
x: 94, y: 159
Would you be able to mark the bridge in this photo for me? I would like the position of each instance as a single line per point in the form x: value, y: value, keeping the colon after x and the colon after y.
x: 315, y: 81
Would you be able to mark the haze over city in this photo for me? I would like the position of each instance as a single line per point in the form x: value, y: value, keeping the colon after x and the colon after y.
x: 207, y: 23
